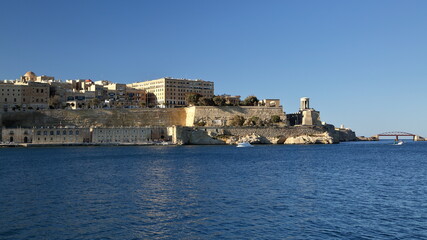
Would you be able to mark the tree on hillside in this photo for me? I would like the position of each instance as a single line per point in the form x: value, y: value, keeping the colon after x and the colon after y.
x: 219, y: 100
x: 55, y: 102
x: 275, y: 119
x: 237, y: 120
x: 250, y: 101
x: 192, y: 98
x: 94, y: 102
x: 205, y: 101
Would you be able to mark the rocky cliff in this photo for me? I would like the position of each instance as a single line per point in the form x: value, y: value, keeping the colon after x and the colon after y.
x: 257, y: 135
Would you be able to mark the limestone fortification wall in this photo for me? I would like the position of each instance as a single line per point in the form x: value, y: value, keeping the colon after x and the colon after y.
x: 212, y: 115
x: 134, y: 117
x: 95, y: 118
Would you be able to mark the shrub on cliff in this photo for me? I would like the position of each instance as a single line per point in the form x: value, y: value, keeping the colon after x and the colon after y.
x: 205, y: 101
x: 254, y: 121
x: 250, y: 101
x: 275, y: 119
x: 237, y: 120
x: 219, y: 101
x: 192, y: 98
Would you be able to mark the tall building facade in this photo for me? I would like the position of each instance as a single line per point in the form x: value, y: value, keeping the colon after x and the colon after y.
x: 170, y: 92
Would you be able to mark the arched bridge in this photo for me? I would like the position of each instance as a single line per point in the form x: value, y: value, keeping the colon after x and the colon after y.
x: 397, y: 134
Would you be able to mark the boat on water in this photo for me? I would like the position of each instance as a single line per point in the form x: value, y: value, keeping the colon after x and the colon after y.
x: 398, y: 143
x: 244, y: 144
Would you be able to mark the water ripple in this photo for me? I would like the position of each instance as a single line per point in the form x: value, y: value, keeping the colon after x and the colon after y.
x: 346, y: 191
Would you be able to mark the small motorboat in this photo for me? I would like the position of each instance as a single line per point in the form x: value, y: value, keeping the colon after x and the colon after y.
x: 244, y: 144
x: 398, y: 143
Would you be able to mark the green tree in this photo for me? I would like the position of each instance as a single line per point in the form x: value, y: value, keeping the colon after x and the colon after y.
x: 94, y: 103
x: 237, y: 120
x: 192, y: 98
x: 205, y: 101
x: 55, y: 102
x: 275, y: 119
x: 250, y: 101
x: 254, y: 121
x: 219, y: 100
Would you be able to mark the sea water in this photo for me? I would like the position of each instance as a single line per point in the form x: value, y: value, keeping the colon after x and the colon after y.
x: 360, y: 190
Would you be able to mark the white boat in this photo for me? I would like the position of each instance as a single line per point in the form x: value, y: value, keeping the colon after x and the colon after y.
x: 398, y: 143
x: 244, y: 144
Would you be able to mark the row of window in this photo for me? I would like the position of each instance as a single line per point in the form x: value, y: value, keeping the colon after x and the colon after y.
x: 13, y: 90
x: 125, y: 130
x: 58, y: 132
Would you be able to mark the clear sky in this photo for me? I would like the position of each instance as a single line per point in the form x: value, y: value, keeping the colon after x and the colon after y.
x: 362, y: 63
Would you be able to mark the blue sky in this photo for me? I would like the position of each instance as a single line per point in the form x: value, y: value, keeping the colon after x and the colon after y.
x: 362, y: 63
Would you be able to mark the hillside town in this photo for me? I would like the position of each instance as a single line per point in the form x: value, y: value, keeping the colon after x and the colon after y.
x: 32, y: 92
x: 39, y: 110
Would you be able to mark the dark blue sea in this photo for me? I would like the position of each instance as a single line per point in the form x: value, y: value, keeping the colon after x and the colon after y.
x: 363, y: 190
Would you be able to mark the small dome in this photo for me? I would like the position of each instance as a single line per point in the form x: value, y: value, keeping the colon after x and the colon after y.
x: 30, y: 74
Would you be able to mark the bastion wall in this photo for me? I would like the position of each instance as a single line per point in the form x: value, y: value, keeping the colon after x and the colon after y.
x: 221, y: 116
x: 135, y: 117
x: 95, y: 118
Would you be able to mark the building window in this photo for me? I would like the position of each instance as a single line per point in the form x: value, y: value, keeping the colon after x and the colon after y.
x: 39, y: 133
x: 70, y: 132
x: 64, y: 132
x: 77, y: 132
x: 58, y: 132
x: 51, y: 132
x: 45, y: 133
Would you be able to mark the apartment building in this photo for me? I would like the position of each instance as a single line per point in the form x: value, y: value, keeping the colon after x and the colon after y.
x: 30, y: 95
x: 170, y: 92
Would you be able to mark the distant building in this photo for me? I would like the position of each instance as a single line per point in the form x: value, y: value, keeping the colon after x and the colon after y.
x: 231, y: 100
x: 270, y: 102
x: 171, y: 92
x: 10, y: 96
x: 121, y: 135
x: 17, y: 135
x: 306, y: 116
x: 61, y: 135
x: 25, y: 93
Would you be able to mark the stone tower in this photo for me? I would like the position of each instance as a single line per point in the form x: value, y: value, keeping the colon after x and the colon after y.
x: 304, y: 103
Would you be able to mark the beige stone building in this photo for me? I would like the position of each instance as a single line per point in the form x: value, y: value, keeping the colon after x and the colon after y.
x: 232, y: 100
x: 17, y: 135
x: 129, y: 135
x: 270, y: 102
x: 28, y: 77
x: 24, y: 95
x: 170, y: 92
x: 61, y: 135
x: 136, y: 97
x: 310, y: 117
x: 35, y: 95
x: 10, y: 96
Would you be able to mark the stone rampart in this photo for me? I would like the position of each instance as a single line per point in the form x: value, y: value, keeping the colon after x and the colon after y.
x: 135, y: 117
x: 95, y: 118
x: 221, y: 116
